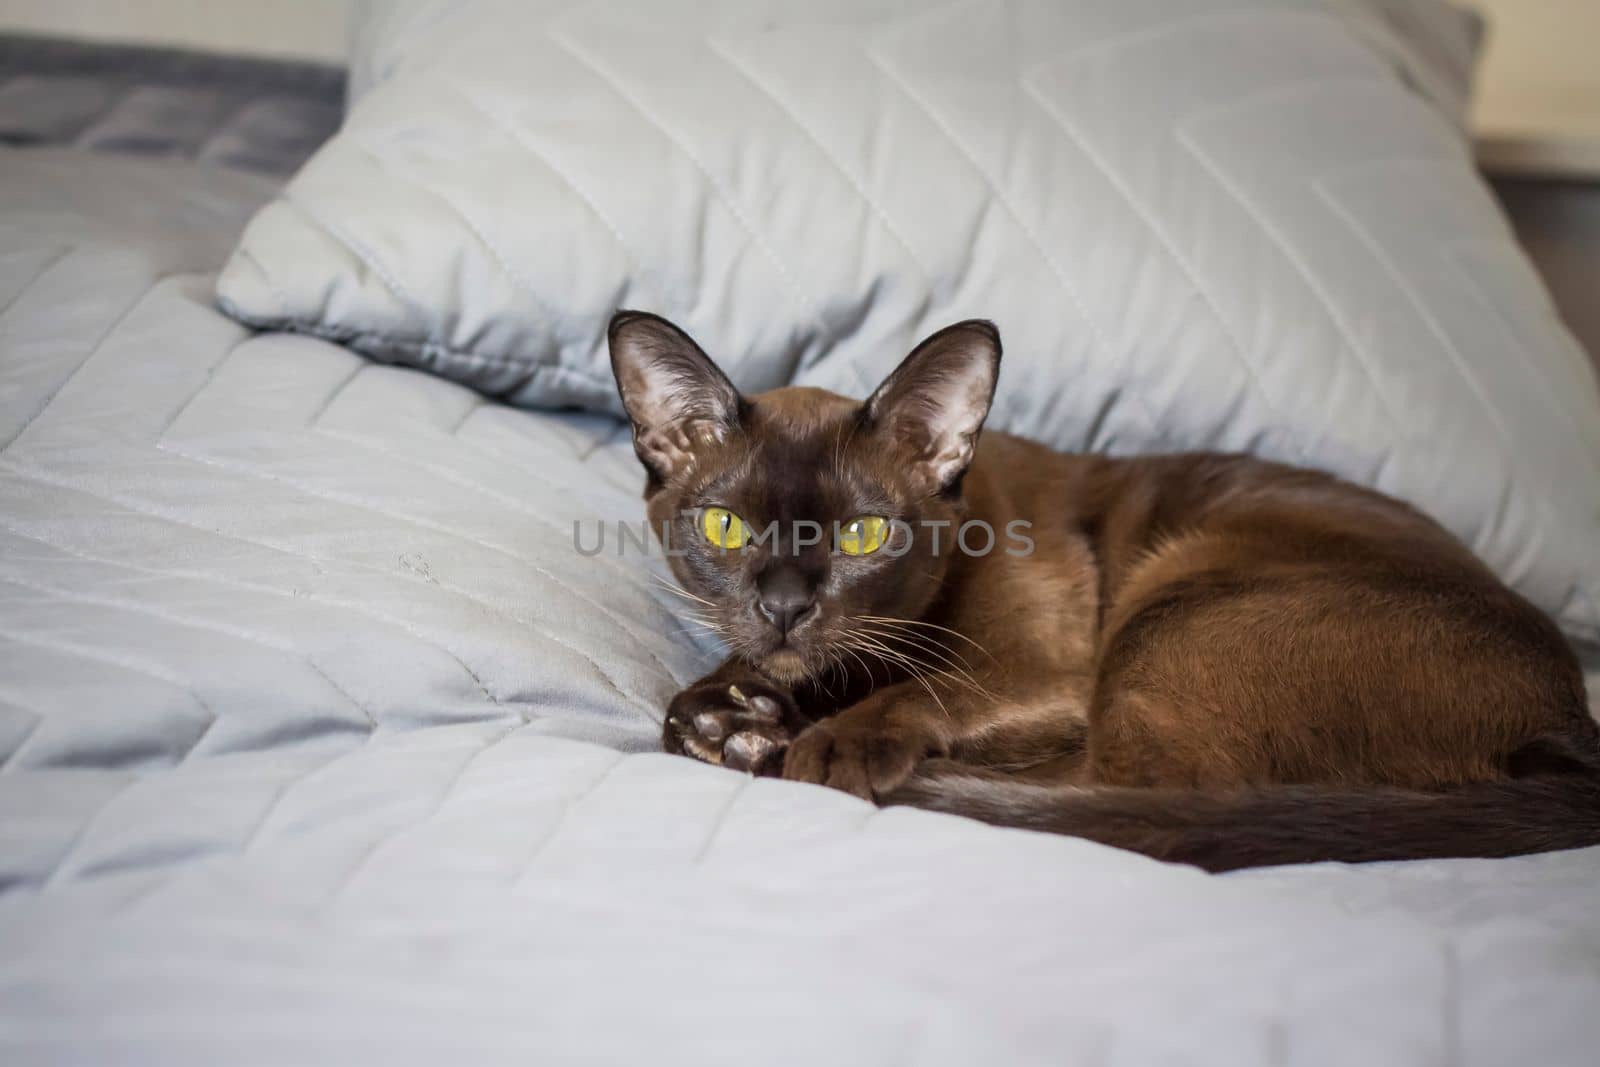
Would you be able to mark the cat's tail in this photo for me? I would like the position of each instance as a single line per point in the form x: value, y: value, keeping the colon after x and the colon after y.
x: 1274, y: 825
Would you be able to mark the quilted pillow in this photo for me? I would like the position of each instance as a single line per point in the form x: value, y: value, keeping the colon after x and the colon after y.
x: 1230, y: 224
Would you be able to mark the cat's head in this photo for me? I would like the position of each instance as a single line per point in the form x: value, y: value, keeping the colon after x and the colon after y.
x: 798, y: 516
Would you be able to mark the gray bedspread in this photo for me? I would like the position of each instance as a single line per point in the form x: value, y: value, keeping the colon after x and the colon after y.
x: 259, y: 115
x: 319, y: 743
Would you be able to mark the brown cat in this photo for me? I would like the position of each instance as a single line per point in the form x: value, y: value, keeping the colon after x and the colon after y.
x: 1205, y: 658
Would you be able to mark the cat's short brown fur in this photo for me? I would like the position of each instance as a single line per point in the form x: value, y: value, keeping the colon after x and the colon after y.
x: 1206, y: 658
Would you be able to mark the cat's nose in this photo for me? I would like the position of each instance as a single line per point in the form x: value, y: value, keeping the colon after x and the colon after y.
x: 786, y: 614
x: 785, y: 598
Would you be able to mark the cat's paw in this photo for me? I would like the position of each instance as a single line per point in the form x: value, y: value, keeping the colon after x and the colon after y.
x: 744, y: 725
x: 864, y: 751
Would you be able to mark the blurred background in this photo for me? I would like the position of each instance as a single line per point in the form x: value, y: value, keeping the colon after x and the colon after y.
x: 1538, y: 99
x: 302, y: 29
x: 1536, y: 115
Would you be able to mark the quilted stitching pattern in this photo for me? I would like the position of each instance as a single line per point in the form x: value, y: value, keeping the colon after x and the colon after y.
x: 141, y: 605
x: 1218, y: 225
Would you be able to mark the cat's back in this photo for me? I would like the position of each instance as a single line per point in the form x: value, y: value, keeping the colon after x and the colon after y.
x: 1329, y: 603
x: 1136, y: 504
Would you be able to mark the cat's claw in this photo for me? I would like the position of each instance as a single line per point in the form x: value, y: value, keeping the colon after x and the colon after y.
x: 740, y: 726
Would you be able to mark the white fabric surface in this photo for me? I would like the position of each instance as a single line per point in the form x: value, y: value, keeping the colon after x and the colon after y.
x: 319, y: 745
x: 1222, y: 224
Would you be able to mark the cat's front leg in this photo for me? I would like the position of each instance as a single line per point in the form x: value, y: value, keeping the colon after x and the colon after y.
x: 871, y: 748
x: 734, y: 717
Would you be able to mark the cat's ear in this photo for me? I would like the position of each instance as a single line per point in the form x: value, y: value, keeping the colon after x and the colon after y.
x: 936, y: 400
x: 678, y: 400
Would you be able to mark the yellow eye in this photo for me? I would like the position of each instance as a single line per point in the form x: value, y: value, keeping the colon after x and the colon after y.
x: 863, y: 534
x: 722, y: 528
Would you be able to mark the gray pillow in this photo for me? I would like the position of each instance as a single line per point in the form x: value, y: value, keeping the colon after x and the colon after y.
x: 1234, y: 224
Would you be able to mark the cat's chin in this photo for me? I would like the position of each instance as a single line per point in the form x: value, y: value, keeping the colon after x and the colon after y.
x: 785, y: 665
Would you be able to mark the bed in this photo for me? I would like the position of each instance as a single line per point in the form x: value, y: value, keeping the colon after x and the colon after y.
x: 319, y: 744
